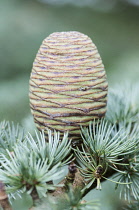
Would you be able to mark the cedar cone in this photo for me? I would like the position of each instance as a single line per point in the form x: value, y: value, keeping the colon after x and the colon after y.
x: 68, y: 86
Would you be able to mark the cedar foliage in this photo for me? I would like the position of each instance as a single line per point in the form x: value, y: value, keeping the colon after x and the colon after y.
x: 30, y: 166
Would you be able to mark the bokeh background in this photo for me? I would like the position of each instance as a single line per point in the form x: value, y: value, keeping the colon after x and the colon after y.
x: 113, y: 25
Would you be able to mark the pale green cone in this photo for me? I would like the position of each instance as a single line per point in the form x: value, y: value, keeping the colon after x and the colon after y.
x: 68, y: 86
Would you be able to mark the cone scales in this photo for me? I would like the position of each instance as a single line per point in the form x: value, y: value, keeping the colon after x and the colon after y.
x: 68, y: 86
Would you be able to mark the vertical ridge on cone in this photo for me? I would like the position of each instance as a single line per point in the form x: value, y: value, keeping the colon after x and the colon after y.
x: 68, y: 86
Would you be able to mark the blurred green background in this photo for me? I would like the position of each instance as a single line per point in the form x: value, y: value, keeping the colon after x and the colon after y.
x: 113, y: 25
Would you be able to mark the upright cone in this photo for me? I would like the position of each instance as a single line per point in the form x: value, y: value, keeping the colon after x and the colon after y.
x: 68, y: 86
